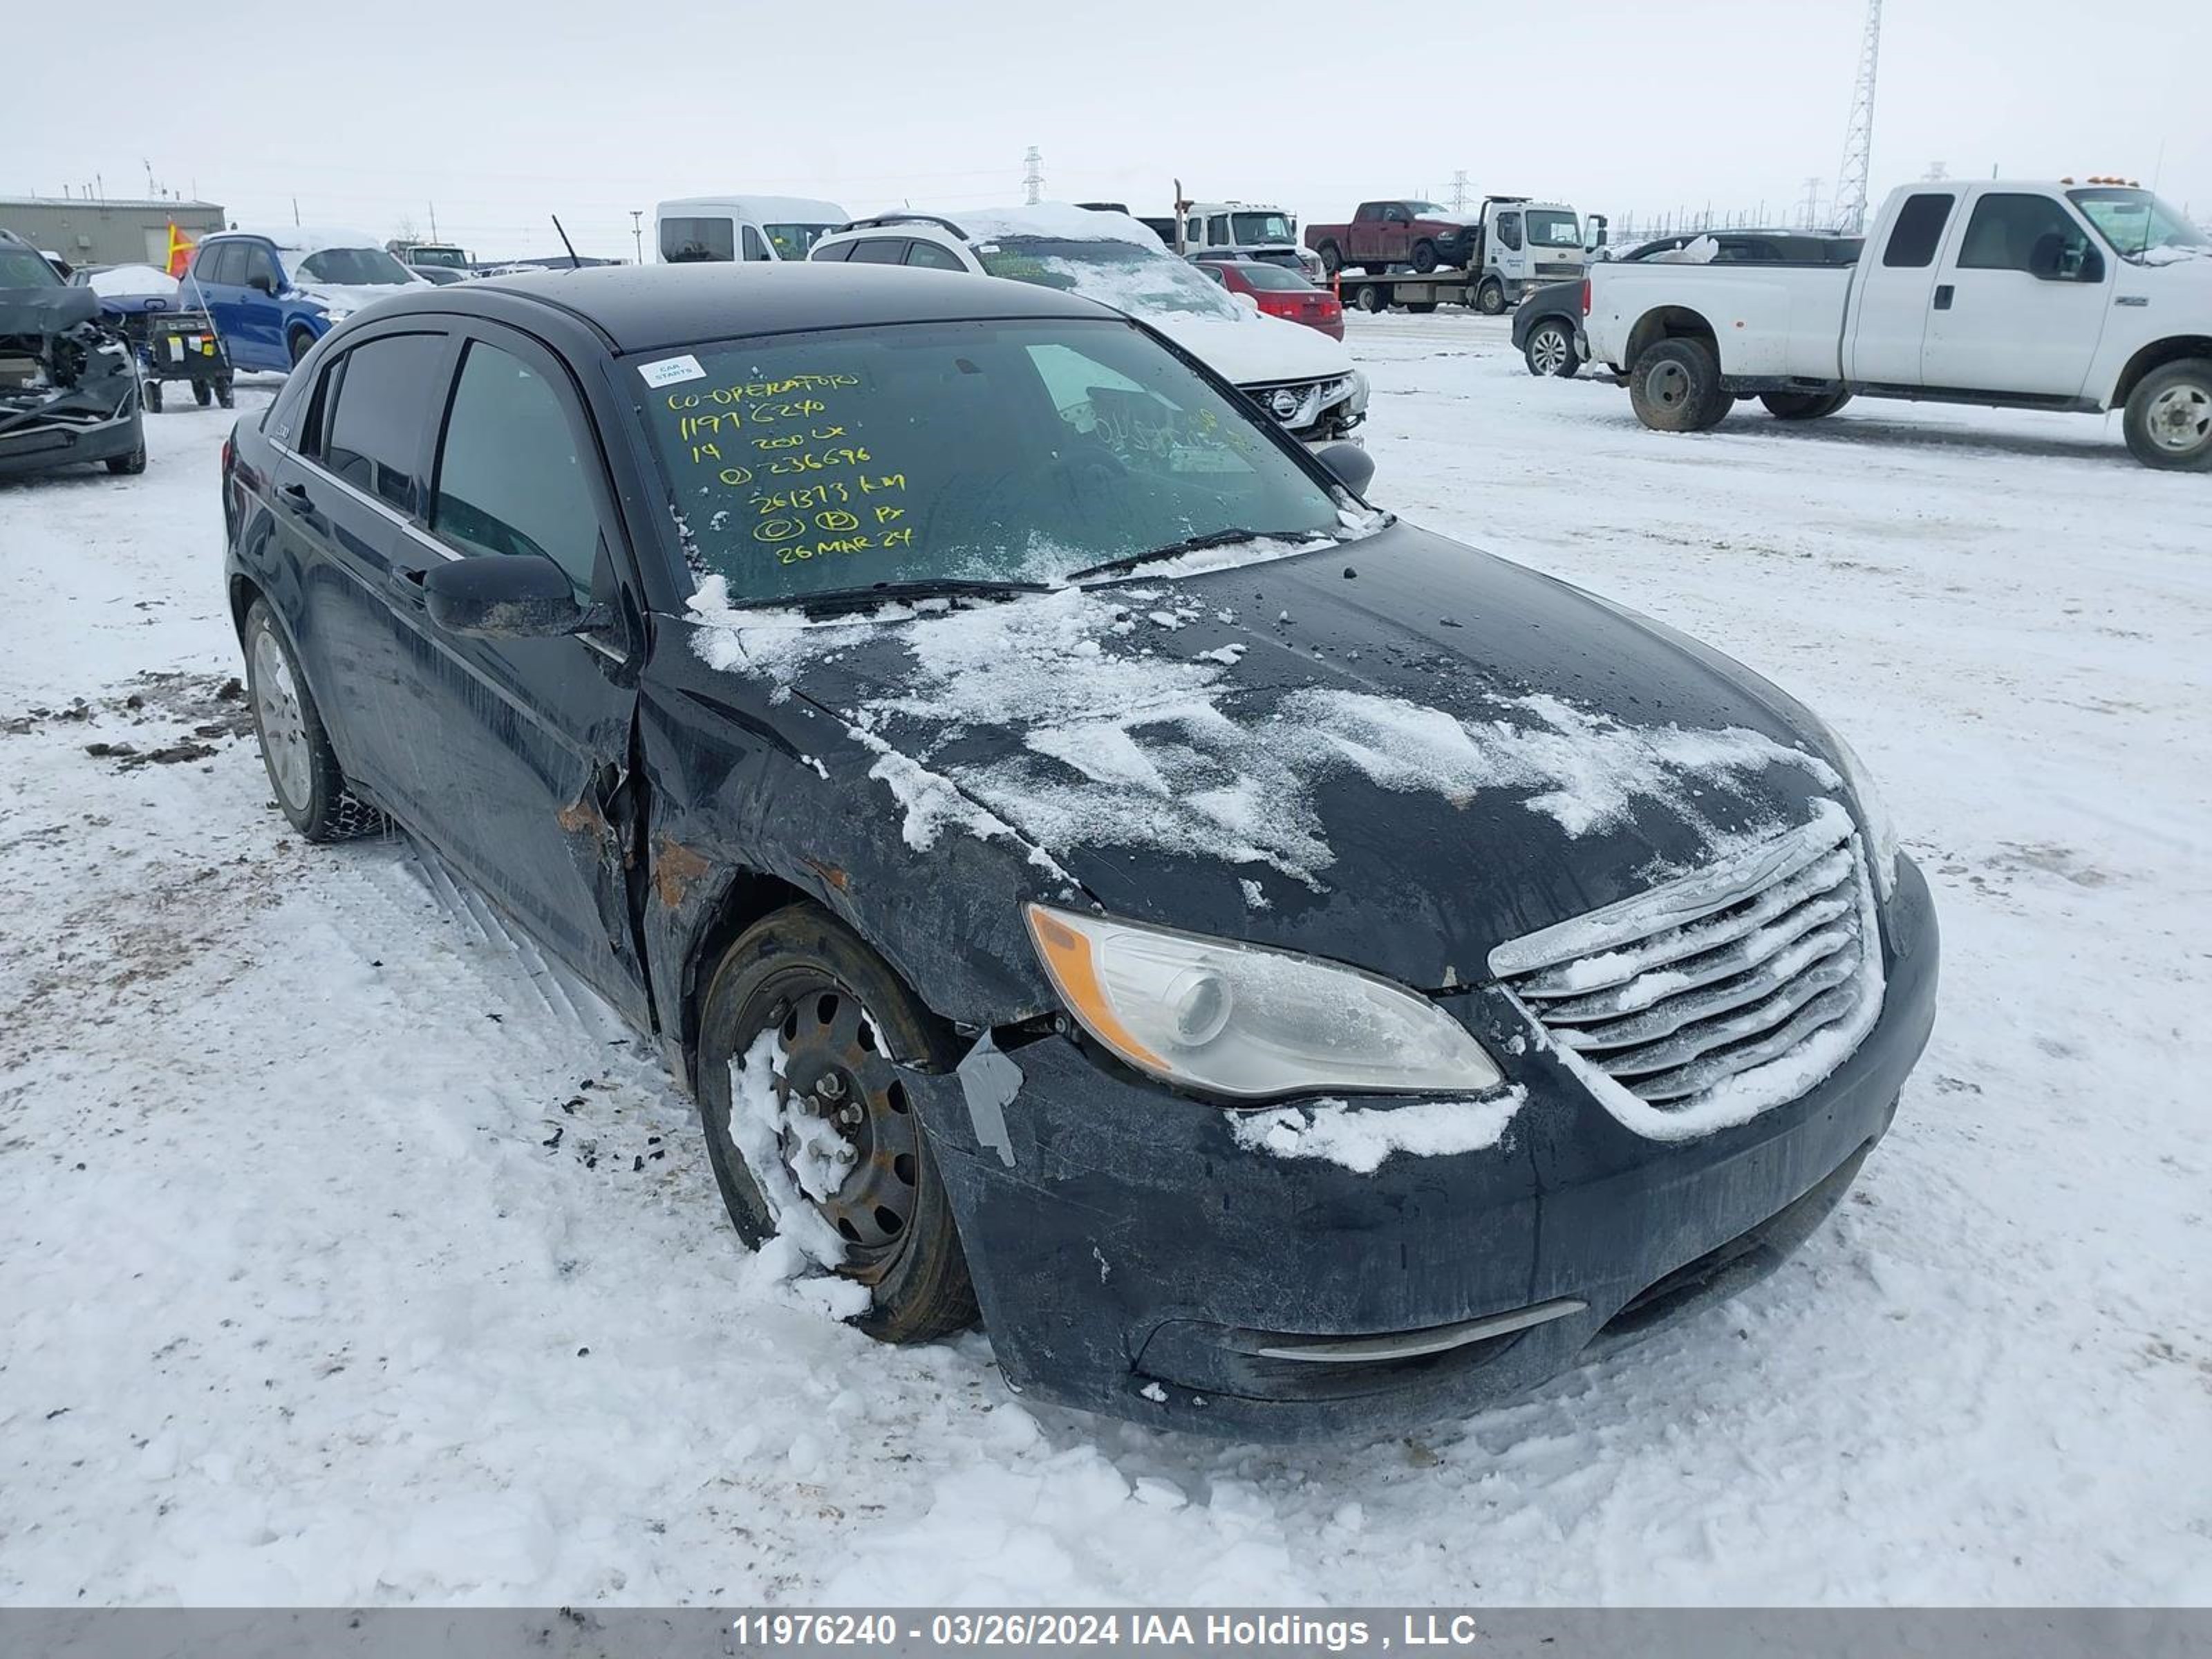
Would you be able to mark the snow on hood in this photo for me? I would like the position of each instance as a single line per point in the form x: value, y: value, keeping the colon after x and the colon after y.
x: 132, y: 282
x: 1427, y: 788
x: 346, y: 296
x: 2173, y: 256
x: 1254, y: 348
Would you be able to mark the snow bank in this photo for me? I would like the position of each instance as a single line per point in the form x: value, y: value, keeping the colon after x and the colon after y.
x: 1361, y: 1138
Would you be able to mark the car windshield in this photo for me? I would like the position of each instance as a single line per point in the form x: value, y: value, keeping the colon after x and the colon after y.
x: 352, y: 267
x: 1250, y: 229
x: 1273, y: 278
x: 1145, y: 282
x: 452, y: 258
x: 792, y: 241
x: 807, y: 464
x: 21, y: 268
x: 2138, y: 224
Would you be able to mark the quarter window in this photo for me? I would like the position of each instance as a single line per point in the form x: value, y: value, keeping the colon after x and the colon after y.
x: 880, y: 252
x: 755, y: 247
x: 380, y: 399
x: 1919, y: 231
x: 510, y: 478
x: 929, y: 254
x: 2032, y: 233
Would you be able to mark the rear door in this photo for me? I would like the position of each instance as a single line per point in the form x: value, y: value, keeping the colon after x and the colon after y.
x: 2021, y: 300
x: 1894, y: 292
x: 205, y: 287
x: 260, y: 325
x: 523, y: 745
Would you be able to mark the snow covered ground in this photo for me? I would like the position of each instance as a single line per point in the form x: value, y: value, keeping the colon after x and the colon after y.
x: 349, y: 1254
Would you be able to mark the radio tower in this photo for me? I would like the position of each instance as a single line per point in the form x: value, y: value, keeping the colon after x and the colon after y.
x: 1858, y: 135
x: 1033, y: 180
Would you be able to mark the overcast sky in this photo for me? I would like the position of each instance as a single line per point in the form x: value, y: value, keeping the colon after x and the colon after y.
x: 371, y: 113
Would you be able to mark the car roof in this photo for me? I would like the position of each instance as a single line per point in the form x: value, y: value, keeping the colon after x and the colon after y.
x: 641, y: 307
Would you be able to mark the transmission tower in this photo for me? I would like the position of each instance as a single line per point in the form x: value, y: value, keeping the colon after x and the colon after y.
x: 1459, y: 191
x: 1858, y: 134
x: 1033, y: 180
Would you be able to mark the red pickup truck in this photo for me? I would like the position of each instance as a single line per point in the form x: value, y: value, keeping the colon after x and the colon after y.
x: 1398, y: 233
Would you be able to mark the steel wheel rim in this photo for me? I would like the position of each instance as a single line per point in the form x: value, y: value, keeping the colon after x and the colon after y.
x: 1668, y: 384
x: 283, y: 724
x: 829, y: 1068
x: 1550, y: 350
x: 2179, y: 419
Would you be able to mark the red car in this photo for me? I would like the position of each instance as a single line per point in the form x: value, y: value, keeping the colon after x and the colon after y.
x: 1280, y: 292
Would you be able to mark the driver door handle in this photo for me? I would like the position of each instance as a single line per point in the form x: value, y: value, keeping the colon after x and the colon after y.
x: 1944, y: 293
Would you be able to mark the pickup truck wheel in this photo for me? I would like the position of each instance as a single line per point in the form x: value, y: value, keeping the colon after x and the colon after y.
x: 827, y: 1138
x: 1489, y: 299
x: 2168, y: 422
x: 1675, y: 386
x: 1370, y: 297
x: 1551, y: 350
x: 1425, y: 257
x: 1331, y: 260
x: 1803, y: 405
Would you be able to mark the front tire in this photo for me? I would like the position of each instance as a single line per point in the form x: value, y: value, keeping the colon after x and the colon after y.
x: 303, y: 769
x: 1803, y: 405
x: 1425, y: 257
x: 300, y: 342
x: 1675, y: 386
x: 1551, y: 350
x: 829, y: 1006
x: 1332, y: 257
x: 1489, y: 298
x: 2168, y: 423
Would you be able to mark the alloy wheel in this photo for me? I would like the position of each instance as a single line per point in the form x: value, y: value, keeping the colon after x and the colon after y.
x: 283, y: 727
x: 1548, y: 350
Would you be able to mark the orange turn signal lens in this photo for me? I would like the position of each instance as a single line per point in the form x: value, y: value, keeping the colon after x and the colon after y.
x: 1066, y: 956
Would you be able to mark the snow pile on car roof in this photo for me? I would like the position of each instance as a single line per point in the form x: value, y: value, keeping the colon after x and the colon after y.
x: 1055, y: 220
x: 308, y: 239
x: 132, y: 282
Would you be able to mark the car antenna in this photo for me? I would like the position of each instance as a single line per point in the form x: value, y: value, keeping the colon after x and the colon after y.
x: 574, y: 263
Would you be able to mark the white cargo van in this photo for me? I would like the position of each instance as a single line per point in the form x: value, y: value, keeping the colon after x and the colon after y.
x: 737, y: 228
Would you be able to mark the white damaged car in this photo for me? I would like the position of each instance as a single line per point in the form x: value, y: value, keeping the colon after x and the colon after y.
x: 1303, y: 378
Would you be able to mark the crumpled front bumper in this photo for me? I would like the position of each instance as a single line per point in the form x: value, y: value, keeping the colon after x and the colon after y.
x: 96, y: 419
x: 1133, y: 1259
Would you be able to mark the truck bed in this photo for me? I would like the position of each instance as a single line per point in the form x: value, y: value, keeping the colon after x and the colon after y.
x: 1773, y: 321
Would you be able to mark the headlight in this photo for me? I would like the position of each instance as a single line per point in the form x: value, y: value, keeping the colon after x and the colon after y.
x: 1358, y: 392
x: 1880, y: 829
x: 1226, y: 1018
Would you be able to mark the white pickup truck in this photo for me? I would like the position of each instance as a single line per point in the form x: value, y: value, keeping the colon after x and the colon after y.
x: 2031, y: 295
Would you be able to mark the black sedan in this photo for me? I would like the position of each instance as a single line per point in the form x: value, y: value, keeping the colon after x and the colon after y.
x: 1286, y: 970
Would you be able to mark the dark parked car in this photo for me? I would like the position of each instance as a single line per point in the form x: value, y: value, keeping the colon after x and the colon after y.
x: 1288, y: 970
x: 1547, y: 324
x: 69, y: 381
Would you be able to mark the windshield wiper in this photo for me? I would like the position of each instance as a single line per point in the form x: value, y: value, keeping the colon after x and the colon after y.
x: 929, y: 587
x: 1175, y: 549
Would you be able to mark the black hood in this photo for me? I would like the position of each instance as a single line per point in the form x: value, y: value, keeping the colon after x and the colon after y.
x: 1398, y: 752
x: 45, y: 310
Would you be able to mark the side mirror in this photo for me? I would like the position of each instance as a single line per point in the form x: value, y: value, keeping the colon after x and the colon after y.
x: 1247, y: 301
x: 1350, y: 465
x: 264, y: 284
x: 499, y: 596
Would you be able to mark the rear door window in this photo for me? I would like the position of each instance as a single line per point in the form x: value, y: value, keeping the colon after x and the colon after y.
x: 1919, y: 230
x: 879, y: 252
x: 511, y: 475
x: 230, y: 263
x: 687, y: 241
x: 380, y: 403
x: 933, y: 257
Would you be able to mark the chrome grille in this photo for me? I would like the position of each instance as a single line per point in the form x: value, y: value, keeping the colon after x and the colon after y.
x: 1674, y: 993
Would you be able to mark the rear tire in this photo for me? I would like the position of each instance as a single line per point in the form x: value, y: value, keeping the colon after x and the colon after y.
x: 225, y: 396
x: 154, y: 397
x: 202, y: 393
x: 803, y: 974
x: 1489, y: 298
x: 2168, y: 423
x: 303, y: 769
x: 1551, y: 350
x: 1675, y: 386
x: 1420, y: 308
x: 1371, y: 297
x: 1425, y: 257
x: 1803, y: 405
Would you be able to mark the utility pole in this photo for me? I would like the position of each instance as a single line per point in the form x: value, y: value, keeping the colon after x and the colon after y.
x: 1459, y: 190
x: 1033, y: 180
x: 433, y: 221
x: 637, y: 232
x: 1858, y: 131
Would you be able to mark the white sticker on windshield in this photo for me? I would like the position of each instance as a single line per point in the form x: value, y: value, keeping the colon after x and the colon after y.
x: 669, y: 370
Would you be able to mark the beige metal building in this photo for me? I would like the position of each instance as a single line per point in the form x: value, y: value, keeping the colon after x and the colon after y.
x: 106, y: 232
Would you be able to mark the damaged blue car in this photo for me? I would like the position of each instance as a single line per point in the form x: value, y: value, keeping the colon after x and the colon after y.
x: 1283, y: 971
